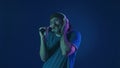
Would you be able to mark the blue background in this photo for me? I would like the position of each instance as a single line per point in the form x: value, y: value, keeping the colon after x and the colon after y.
x: 98, y: 22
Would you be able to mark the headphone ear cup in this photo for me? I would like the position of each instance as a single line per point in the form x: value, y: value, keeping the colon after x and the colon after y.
x: 64, y: 20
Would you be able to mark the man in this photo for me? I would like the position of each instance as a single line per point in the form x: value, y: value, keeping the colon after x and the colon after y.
x: 59, y: 43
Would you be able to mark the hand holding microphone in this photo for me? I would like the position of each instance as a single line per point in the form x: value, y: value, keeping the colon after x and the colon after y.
x: 44, y: 30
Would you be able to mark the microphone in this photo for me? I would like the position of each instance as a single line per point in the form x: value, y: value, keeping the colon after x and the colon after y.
x: 42, y: 30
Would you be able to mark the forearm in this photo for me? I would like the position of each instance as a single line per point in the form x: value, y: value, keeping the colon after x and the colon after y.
x: 43, y: 49
x: 65, y: 45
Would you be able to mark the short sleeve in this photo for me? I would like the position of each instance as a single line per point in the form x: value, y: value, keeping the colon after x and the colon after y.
x: 75, y: 39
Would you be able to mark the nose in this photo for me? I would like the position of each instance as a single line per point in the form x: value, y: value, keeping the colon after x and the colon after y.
x: 51, y: 26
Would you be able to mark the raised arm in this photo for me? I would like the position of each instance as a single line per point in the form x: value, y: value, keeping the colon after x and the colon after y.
x: 43, y: 49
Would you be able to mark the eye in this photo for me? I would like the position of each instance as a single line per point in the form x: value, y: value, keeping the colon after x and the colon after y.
x: 55, y: 21
x: 52, y: 22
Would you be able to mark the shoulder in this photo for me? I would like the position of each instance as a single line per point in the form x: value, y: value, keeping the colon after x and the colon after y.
x: 74, y: 33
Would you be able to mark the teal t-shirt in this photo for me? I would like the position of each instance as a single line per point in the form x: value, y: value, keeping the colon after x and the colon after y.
x: 56, y: 59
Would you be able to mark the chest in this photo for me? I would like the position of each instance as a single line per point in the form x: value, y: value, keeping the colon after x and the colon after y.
x: 53, y: 41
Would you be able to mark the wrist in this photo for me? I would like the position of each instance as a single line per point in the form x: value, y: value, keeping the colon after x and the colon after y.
x: 42, y: 37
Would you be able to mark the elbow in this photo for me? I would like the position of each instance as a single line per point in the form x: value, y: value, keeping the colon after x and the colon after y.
x: 43, y: 58
x: 69, y: 51
x: 65, y: 52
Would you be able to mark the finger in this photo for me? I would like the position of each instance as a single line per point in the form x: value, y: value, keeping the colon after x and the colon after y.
x: 42, y: 28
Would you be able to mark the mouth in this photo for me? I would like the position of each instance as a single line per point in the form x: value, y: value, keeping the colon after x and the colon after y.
x: 55, y: 29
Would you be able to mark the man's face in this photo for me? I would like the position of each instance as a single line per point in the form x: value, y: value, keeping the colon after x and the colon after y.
x: 56, y: 24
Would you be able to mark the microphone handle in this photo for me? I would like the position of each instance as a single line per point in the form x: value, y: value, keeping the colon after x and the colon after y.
x: 42, y: 31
